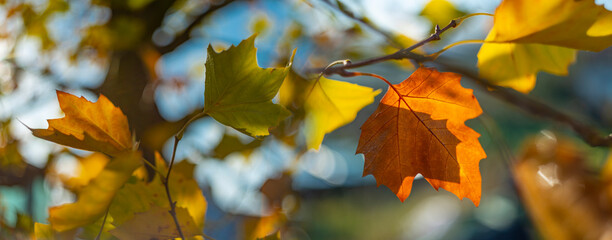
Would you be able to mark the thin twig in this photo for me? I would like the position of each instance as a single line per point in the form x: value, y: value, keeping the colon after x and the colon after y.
x: 366, y: 22
x: 405, y: 53
x: 186, y: 34
x: 589, y: 134
x: 207, y: 237
x: 103, y: 222
x: 166, y: 183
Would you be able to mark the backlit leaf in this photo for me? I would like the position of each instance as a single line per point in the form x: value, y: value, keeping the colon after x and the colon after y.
x: 440, y: 12
x: 87, y: 169
x: 98, y: 126
x: 140, y: 196
x: 516, y: 65
x: 421, y: 129
x: 573, y: 24
x: 94, y: 199
x: 156, y: 223
x: 332, y: 104
x: 238, y: 93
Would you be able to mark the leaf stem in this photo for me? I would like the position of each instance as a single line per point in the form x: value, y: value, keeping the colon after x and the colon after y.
x: 166, y: 185
x: 180, y: 133
x: 103, y: 222
x: 469, y: 41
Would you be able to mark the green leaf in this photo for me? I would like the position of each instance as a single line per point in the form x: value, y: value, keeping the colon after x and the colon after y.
x: 94, y: 199
x: 239, y: 93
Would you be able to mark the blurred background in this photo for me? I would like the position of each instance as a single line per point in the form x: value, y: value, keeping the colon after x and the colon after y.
x: 539, y: 180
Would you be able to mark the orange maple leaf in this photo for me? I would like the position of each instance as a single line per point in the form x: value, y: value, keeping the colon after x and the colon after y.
x: 98, y: 126
x: 419, y: 127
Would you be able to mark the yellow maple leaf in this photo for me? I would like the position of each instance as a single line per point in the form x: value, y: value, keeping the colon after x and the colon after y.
x: 332, y: 104
x: 573, y: 24
x: 98, y: 126
x: 516, y: 65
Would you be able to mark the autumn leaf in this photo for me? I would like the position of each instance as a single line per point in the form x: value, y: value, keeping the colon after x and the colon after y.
x: 98, y: 126
x: 140, y: 196
x: 45, y: 232
x: 156, y: 223
x: 528, y: 37
x: 516, y: 65
x: 555, y: 184
x: 330, y: 105
x: 440, y: 12
x: 94, y: 199
x: 419, y: 127
x: 87, y: 169
x: 573, y: 24
x: 238, y: 93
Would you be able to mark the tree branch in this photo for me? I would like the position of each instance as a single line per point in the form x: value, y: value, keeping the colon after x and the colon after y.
x: 588, y: 133
x: 186, y: 34
x: 405, y: 53
x: 366, y: 22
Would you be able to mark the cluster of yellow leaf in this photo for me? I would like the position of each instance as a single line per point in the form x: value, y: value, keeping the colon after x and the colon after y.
x: 134, y: 209
x: 532, y: 36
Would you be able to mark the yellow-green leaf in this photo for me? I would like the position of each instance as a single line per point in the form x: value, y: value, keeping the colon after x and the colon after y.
x: 440, y: 12
x: 98, y: 126
x: 45, y: 232
x: 332, y: 104
x: 140, y: 196
x: 94, y: 199
x: 157, y: 223
x: 516, y: 65
x: 573, y: 24
x: 238, y: 93
x: 185, y: 190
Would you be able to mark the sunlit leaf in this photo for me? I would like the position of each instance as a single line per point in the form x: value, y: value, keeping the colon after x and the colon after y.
x: 516, y: 65
x: 156, y: 223
x: 573, y: 24
x: 139, y: 196
x: 440, y: 12
x: 88, y: 168
x: 239, y: 93
x: 421, y: 129
x: 331, y: 104
x: 98, y: 126
x: 94, y: 199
